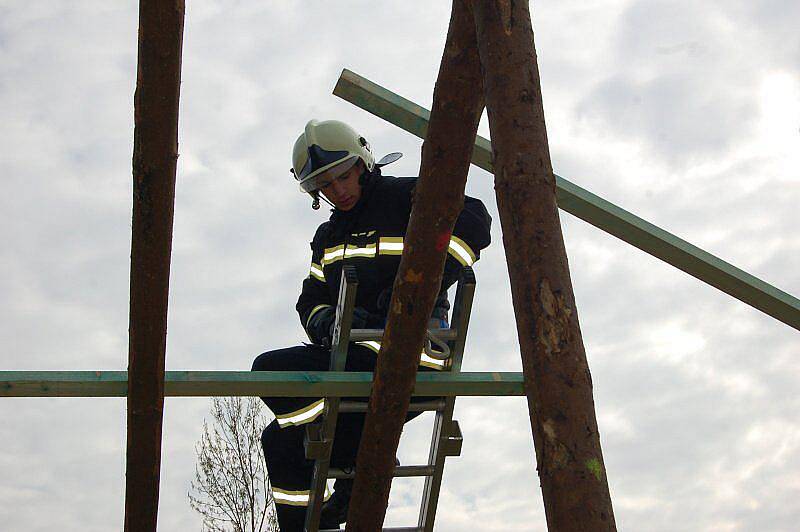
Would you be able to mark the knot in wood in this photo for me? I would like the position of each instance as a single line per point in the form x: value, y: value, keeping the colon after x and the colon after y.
x: 552, y: 325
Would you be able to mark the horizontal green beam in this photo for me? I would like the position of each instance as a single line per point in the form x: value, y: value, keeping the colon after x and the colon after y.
x: 592, y: 208
x: 252, y: 383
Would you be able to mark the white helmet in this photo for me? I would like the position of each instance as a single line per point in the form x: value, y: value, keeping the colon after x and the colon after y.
x: 326, y: 150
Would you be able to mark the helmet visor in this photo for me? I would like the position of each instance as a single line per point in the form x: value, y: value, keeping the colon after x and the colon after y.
x: 317, y: 181
x: 319, y: 158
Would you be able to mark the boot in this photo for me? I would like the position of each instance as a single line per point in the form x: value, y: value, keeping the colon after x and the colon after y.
x: 334, y: 510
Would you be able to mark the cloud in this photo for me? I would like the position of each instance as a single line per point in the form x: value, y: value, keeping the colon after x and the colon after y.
x: 685, y: 114
x: 675, y: 85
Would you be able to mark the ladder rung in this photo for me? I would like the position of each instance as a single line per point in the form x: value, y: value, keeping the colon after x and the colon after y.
x: 349, y: 407
x: 365, y: 335
x: 399, y: 471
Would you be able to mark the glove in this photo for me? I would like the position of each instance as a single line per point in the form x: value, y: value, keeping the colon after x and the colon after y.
x: 383, y: 300
x: 322, y: 324
x: 437, y: 323
x: 363, y: 319
x: 441, y: 308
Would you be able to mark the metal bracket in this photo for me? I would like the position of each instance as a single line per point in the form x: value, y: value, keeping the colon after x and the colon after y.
x: 452, y: 439
x: 315, y: 444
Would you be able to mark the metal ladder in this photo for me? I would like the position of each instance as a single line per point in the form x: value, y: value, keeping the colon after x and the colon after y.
x: 446, y: 439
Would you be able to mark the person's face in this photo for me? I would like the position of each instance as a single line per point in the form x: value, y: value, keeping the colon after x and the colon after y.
x: 344, y: 191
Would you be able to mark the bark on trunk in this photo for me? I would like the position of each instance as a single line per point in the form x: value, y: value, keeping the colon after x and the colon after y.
x: 155, y: 155
x: 557, y: 379
x: 439, y: 197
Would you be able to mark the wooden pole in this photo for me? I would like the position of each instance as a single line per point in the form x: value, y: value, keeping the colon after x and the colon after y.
x: 556, y: 373
x: 155, y: 154
x: 439, y: 197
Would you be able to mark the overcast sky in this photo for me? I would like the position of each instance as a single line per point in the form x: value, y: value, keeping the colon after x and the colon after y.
x: 685, y: 113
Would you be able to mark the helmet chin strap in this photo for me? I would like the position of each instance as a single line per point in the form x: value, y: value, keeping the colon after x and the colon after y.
x: 315, y: 203
x: 364, y: 176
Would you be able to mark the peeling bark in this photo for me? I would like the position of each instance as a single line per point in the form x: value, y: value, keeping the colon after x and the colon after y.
x: 557, y: 380
x: 155, y: 155
x: 439, y: 197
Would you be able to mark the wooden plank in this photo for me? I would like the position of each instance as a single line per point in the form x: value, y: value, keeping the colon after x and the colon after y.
x: 591, y: 208
x: 252, y: 383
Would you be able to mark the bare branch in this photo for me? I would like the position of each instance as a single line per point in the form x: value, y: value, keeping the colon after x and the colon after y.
x: 231, y: 488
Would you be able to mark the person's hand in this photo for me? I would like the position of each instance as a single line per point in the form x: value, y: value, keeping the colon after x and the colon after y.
x: 383, y: 300
x: 363, y: 319
x: 320, y: 326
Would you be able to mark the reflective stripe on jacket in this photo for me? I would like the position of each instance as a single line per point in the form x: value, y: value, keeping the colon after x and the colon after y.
x: 371, y: 236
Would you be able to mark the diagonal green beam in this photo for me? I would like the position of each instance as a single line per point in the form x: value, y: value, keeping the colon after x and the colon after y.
x: 592, y: 208
x: 252, y: 383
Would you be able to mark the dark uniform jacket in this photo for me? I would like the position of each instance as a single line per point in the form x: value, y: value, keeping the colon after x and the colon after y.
x: 370, y: 237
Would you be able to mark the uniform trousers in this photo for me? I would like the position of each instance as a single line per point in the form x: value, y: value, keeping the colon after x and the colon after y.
x: 282, y: 441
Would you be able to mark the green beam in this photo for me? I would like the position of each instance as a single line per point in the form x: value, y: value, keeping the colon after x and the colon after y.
x: 252, y: 383
x: 592, y: 208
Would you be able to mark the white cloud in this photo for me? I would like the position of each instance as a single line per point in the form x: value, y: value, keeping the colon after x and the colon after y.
x: 686, y: 114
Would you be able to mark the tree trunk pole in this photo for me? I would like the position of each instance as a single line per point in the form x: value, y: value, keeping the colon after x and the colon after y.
x: 155, y: 154
x: 439, y: 197
x: 557, y: 380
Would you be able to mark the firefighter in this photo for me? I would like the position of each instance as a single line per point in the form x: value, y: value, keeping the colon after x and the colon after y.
x: 368, y: 223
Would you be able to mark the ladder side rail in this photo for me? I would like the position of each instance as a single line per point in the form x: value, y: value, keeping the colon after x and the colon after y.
x: 339, y: 345
x: 443, y: 422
